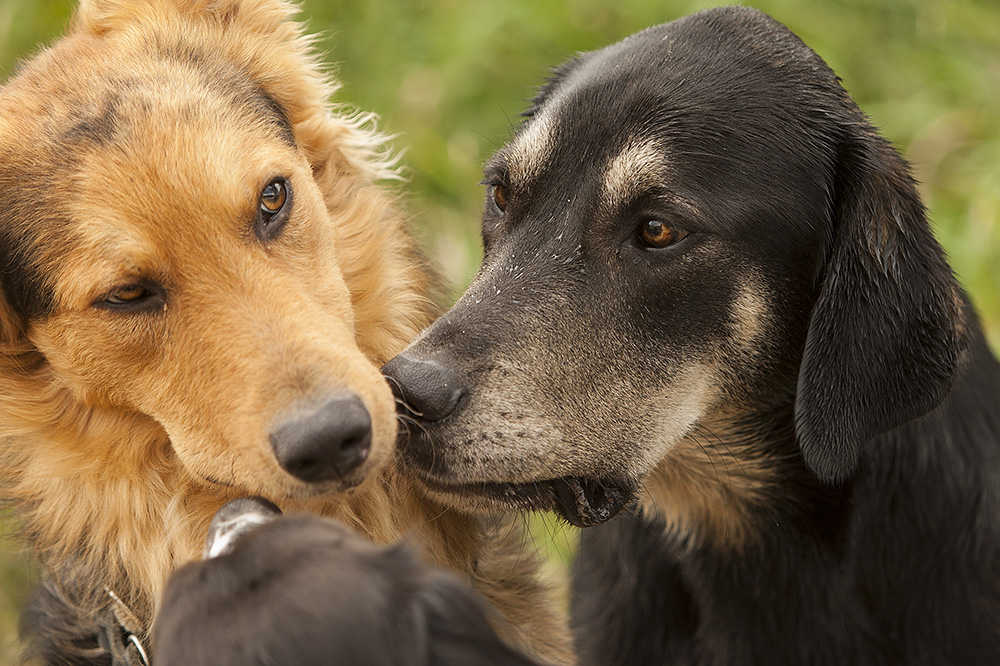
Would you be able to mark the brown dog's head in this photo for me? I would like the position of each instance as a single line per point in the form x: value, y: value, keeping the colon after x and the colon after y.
x: 180, y: 207
x: 693, y: 226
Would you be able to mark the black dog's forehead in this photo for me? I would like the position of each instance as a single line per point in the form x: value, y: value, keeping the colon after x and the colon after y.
x: 709, y: 107
x: 706, y: 82
x: 729, y: 58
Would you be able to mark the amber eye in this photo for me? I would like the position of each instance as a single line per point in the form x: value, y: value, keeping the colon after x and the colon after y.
x: 656, y: 234
x: 500, y: 197
x: 273, y: 197
x: 273, y: 209
x: 136, y: 297
x: 129, y: 294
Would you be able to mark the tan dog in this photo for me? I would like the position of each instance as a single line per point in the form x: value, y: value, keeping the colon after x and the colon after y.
x: 200, y: 280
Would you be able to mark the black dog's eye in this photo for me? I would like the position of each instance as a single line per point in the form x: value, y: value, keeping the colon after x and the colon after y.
x: 135, y: 297
x: 500, y: 197
x: 272, y: 209
x: 657, y: 234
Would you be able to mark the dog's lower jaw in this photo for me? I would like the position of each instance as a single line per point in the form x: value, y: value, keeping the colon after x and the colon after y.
x: 588, y: 502
x: 580, y: 501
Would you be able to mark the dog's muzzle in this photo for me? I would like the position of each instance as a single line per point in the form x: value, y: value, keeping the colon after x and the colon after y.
x: 428, y: 390
x: 325, y: 442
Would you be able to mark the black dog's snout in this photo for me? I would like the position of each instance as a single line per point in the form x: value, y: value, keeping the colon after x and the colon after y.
x: 325, y: 442
x: 427, y: 389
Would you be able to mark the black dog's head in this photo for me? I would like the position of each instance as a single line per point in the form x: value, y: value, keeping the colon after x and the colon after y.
x: 694, y: 222
x: 304, y: 590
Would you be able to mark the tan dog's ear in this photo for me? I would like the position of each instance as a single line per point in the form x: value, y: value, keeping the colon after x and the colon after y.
x: 98, y: 16
x: 260, y: 16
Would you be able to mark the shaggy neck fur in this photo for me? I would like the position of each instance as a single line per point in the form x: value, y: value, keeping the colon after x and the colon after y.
x: 125, y: 527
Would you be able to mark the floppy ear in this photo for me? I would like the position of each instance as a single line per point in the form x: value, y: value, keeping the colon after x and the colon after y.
x: 887, y: 328
x: 20, y: 290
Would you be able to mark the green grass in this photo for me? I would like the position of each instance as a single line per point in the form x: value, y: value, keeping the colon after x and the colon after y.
x: 451, y: 76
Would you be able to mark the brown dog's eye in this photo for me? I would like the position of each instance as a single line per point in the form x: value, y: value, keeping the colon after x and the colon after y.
x: 136, y: 297
x: 129, y: 294
x: 656, y: 234
x: 273, y: 208
x: 500, y: 197
x: 273, y: 198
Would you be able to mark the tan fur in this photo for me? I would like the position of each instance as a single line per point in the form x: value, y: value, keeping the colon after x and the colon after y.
x: 711, y: 487
x: 637, y: 168
x: 530, y: 150
x: 119, y: 436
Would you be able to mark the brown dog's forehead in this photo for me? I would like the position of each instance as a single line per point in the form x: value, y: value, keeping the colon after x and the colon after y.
x: 120, y: 163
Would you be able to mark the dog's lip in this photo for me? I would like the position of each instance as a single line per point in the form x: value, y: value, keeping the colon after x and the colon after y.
x: 211, y: 480
x: 301, y: 491
x: 580, y: 501
x: 587, y: 502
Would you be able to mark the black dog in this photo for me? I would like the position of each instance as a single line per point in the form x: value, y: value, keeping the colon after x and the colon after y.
x: 710, y: 285
x: 302, y: 591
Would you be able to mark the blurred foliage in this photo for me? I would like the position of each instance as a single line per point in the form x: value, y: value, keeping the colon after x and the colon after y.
x: 450, y: 77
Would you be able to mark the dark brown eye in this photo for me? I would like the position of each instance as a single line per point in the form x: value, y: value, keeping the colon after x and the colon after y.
x: 273, y: 198
x: 656, y: 234
x: 500, y: 197
x: 136, y: 297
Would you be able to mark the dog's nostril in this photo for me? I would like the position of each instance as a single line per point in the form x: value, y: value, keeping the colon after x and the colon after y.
x: 426, y: 388
x: 324, y: 442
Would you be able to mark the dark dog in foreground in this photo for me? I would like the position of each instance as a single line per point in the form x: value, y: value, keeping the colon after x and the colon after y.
x: 304, y: 590
x: 710, y: 285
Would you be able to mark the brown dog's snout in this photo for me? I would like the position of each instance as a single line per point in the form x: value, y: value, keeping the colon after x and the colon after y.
x: 325, y: 442
x: 427, y: 389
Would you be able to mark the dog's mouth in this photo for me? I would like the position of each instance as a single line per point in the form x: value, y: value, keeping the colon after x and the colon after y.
x: 586, y: 502
x: 580, y: 501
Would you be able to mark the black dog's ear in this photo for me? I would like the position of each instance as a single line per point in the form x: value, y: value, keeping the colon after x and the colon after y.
x: 887, y: 328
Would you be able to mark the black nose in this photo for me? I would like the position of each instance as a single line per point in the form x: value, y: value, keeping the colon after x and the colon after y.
x: 427, y: 389
x: 324, y: 442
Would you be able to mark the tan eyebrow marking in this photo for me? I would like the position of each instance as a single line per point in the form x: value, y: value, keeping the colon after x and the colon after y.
x: 531, y: 150
x: 638, y: 167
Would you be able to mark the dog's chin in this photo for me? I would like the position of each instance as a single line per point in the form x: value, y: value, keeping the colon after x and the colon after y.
x: 288, y: 491
x: 580, y: 501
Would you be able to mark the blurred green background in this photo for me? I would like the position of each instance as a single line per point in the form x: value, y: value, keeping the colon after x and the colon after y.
x: 450, y: 77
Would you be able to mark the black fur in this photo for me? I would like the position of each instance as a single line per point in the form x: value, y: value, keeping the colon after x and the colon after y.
x: 53, y: 621
x: 847, y: 506
x: 303, y: 590
x: 902, y: 568
x: 22, y: 283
